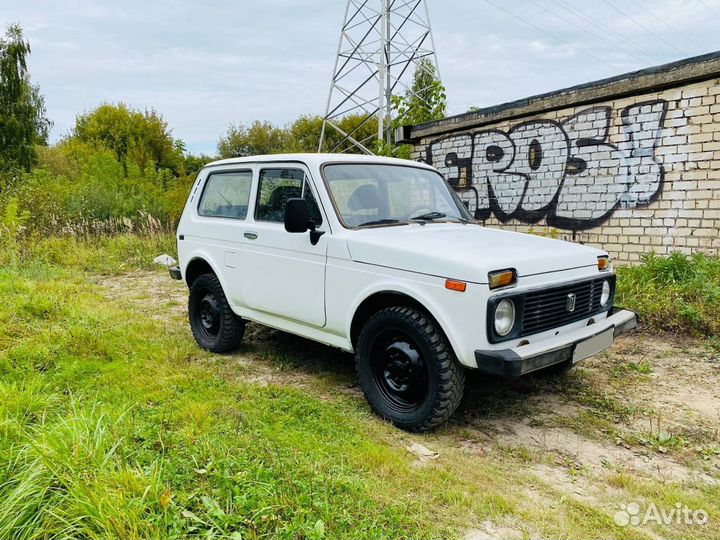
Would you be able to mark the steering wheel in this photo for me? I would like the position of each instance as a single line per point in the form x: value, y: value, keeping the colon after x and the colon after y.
x: 416, y: 211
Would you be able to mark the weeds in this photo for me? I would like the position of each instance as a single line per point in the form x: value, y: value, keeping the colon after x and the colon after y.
x: 114, y: 424
x: 675, y: 293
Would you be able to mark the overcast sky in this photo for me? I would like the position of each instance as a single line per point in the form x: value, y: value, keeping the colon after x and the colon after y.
x: 206, y: 64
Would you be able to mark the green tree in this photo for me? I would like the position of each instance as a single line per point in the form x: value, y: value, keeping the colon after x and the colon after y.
x: 194, y: 162
x: 259, y: 138
x: 23, y: 123
x: 305, y: 133
x: 139, y: 137
x: 425, y: 101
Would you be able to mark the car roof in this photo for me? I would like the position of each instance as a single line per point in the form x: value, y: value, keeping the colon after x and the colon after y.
x: 316, y: 160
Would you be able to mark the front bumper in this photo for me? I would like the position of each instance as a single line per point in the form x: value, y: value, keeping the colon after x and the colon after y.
x: 571, y: 347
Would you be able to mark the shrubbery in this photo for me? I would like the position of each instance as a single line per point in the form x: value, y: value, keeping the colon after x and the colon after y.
x: 75, y: 182
x: 677, y: 293
x: 99, y: 180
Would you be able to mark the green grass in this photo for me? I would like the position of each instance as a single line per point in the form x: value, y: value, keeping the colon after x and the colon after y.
x: 676, y: 293
x: 115, y: 425
x: 107, y: 255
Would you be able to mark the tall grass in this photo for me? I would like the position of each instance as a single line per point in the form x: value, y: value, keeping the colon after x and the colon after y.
x: 677, y: 293
x: 111, y: 246
x: 113, y: 424
x: 112, y: 427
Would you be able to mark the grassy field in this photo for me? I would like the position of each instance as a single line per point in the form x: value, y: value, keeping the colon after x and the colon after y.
x: 115, y: 425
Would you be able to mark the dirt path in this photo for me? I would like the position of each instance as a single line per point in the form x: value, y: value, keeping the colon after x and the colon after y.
x: 649, y: 407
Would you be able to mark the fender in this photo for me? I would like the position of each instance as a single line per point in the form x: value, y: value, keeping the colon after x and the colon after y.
x: 415, y: 292
x: 199, y: 253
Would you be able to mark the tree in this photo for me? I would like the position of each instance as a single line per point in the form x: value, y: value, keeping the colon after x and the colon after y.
x: 259, y: 138
x: 305, y: 133
x: 139, y: 137
x: 425, y: 100
x: 23, y: 123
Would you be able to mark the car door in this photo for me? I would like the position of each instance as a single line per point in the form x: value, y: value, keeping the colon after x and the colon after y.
x: 219, y: 222
x: 285, y: 272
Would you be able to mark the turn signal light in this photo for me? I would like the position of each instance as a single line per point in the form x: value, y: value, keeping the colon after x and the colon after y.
x: 603, y: 263
x: 501, y: 278
x: 454, y: 285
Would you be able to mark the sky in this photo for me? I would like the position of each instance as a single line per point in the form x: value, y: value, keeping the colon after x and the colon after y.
x: 205, y: 65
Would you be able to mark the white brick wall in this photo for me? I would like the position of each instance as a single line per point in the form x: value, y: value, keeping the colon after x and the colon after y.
x: 630, y: 175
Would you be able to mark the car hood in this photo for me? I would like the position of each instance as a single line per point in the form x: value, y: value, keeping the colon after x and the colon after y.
x: 465, y: 252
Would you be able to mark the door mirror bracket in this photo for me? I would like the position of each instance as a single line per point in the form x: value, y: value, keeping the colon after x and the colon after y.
x: 297, y: 219
x: 314, y: 233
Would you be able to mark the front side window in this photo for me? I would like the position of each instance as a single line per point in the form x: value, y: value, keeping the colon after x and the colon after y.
x: 373, y: 194
x: 226, y: 194
x: 276, y: 187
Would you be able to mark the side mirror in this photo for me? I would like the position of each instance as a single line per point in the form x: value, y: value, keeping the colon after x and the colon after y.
x: 297, y: 219
x: 297, y: 216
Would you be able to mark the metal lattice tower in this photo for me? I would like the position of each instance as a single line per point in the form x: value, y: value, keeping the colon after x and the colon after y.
x: 382, y: 44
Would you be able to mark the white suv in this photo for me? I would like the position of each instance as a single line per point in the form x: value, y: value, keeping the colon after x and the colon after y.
x: 379, y: 257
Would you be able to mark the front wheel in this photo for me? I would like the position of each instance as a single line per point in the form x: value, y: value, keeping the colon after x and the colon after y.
x: 407, y: 369
x: 214, y: 325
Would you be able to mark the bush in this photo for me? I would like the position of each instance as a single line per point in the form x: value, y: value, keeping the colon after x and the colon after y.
x: 675, y: 293
x: 78, y: 187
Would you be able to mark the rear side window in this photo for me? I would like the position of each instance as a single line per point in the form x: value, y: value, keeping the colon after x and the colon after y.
x: 226, y: 194
x: 276, y: 187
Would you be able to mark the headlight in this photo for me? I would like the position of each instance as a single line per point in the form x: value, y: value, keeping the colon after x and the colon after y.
x: 504, y: 317
x: 605, y: 296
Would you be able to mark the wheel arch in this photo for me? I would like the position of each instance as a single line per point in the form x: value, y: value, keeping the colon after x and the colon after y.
x: 198, y: 266
x: 380, y: 299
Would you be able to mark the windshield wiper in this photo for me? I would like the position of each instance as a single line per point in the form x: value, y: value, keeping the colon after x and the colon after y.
x: 386, y: 221
x: 429, y: 216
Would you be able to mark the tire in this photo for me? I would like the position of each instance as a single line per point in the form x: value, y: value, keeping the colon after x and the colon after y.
x: 408, y: 370
x: 214, y: 325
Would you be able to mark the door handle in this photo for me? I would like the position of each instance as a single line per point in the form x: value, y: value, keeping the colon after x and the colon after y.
x: 250, y: 235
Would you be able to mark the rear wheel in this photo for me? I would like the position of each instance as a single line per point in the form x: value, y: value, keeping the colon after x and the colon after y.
x: 214, y: 325
x: 407, y: 369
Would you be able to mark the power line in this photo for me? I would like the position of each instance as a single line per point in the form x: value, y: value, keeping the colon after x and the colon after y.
x: 710, y: 8
x: 600, y: 37
x: 609, y: 30
x: 644, y: 27
x: 581, y: 51
x: 670, y: 26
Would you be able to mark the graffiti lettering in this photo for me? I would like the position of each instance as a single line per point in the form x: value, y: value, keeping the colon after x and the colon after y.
x: 569, y: 173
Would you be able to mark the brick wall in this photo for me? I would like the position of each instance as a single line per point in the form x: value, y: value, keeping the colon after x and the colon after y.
x: 630, y: 164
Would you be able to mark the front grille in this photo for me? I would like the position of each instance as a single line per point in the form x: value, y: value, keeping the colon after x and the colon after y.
x: 546, y: 309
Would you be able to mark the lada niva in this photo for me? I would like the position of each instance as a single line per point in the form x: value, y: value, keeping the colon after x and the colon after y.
x: 379, y: 257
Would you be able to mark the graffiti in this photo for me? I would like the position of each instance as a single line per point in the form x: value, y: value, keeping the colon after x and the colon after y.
x: 567, y: 172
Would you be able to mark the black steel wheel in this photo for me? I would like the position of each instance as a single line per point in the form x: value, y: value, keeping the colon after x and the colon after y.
x: 399, y: 370
x: 213, y: 322
x: 407, y: 369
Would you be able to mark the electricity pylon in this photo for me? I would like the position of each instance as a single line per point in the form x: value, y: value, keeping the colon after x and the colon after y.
x: 382, y: 44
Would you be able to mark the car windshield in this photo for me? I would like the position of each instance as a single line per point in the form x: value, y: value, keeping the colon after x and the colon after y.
x: 373, y: 194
